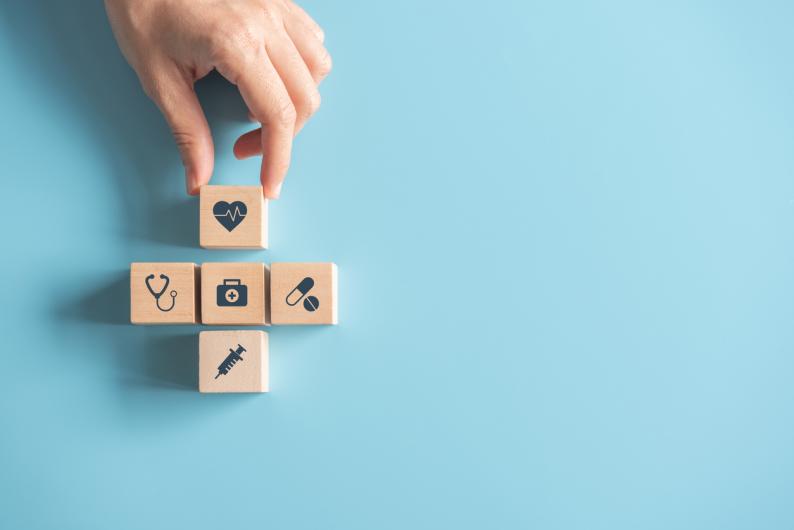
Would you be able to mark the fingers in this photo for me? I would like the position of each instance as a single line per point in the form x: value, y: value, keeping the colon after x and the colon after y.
x: 268, y: 100
x: 311, y: 49
x: 249, y: 144
x: 308, y: 21
x: 176, y: 99
x: 305, y: 98
x: 280, y: 88
x: 297, y: 79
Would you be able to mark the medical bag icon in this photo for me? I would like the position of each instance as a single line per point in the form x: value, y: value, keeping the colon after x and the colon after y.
x: 232, y: 293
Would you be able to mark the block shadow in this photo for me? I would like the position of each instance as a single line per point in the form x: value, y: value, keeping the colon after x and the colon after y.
x: 108, y: 304
x: 154, y: 356
x: 160, y: 380
x: 165, y: 359
x: 72, y: 47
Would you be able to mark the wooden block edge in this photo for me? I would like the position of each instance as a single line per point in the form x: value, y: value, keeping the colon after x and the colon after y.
x: 264, y: 376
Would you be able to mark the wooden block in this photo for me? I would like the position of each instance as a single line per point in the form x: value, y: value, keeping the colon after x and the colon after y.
x: 233, y: 361
x: 164, y: 293
x: 232, y: 217
x: 303, y: 293
x: 234, y: 293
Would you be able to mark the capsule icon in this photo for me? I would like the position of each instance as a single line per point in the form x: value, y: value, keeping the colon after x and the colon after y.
x: 300, y: 290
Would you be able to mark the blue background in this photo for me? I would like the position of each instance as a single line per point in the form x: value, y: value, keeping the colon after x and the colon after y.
x: 564, y: 233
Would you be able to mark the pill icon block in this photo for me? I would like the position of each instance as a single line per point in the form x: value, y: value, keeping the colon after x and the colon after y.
x: 233, y: 361
x: 234, y: 293
x: 232, y: 217
x: 164, y: 293
x: 303, y: 293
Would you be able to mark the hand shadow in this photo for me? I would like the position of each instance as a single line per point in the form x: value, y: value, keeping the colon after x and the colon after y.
x: 71, y: 48
x: 166, y: 360
x: 74, y: 50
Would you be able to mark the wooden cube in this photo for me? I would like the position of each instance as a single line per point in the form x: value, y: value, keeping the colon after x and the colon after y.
x: 303, y: 293
x: 164, y: 293
x: 232, y: 217
x: 234, y: 293
x: 233, y: 361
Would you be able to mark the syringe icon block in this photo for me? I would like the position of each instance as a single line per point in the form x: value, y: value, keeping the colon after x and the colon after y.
x: 230, y: 360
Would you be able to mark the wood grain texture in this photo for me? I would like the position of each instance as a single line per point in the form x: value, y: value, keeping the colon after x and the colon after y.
x: 317, y: 305
x: 230, y: 282
x: 183, y: 281
x: 251, y: 232
x: 233, y: 361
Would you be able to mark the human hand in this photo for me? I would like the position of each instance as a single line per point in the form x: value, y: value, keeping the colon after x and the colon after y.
x: 271, y: 49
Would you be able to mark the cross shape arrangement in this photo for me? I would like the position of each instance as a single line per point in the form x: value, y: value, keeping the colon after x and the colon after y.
x: 226, y: 293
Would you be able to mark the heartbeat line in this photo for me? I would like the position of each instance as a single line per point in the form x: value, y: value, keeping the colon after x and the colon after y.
x: 232, y: 214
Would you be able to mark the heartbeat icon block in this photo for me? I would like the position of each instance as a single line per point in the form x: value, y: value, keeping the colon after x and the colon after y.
x: 232, y: 217
x: 229, y: 215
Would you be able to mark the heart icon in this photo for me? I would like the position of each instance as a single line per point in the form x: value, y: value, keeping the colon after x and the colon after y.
x: 229, y: 215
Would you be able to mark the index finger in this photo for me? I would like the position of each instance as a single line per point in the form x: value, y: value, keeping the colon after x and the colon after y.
x: 268, y: 100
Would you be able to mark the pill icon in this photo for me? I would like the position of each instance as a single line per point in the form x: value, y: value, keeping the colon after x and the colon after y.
x: 311, y: 303
x: 300, y: 290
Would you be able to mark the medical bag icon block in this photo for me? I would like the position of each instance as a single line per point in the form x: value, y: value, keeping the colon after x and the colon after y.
x: 303, y: 293
x: 233, y: 361
x: 164, y: 293
x: 232, y: 217
x: 234, y: 293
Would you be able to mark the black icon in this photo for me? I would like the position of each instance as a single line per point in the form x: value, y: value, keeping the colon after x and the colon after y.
x: 230, y: 360
x: 232, y: 293
x: 158, y: 294
x: 310, y: 303
x: 229, y: 215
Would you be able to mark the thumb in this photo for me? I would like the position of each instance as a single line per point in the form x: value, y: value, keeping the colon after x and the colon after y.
x: 180, y: 106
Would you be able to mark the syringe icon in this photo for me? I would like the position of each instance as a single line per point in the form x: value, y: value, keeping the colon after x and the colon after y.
x: 230, y: 360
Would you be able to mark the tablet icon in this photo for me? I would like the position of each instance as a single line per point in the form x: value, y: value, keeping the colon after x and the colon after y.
x: 310, y: 303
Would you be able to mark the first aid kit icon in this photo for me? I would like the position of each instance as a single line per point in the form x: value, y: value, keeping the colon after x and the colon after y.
x: 232, y: 293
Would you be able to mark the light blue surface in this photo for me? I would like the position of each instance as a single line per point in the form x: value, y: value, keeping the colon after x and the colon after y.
x: 564, y: 233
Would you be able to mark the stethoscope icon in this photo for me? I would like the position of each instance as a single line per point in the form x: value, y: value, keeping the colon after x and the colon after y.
x: 157, y: 295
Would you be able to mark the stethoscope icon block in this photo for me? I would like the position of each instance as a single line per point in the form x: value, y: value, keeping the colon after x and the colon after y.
x: 164, y: 293
x: 303, y: 293
x: 158, y: 294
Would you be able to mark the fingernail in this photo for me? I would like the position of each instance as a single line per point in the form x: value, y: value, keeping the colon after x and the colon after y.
x: 277, y: 190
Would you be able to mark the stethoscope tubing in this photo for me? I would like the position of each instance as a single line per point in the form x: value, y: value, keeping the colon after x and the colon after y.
x: 157, y: 295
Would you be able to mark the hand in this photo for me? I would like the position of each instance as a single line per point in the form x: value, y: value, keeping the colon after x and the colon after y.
x: 271, y: 49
